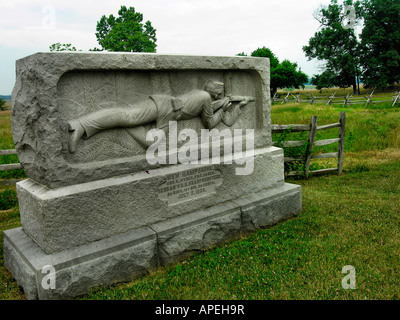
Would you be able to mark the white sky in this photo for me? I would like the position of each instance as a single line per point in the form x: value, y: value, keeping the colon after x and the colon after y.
x: 195, y: 27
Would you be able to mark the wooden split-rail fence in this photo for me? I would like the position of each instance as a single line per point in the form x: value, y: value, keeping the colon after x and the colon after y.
x: 312, y: 128
x: 310, y: 143
x: 8, y: 167
x: 349, y: 99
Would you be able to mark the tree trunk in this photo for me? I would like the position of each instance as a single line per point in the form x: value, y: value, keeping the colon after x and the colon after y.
x: 355, y: 90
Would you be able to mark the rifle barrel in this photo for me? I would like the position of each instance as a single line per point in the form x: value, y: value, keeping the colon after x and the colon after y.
x: 241, y: 98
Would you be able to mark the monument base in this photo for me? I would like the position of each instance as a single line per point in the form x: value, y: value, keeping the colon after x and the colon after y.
x: 122, y: 257
x: 68, y: 217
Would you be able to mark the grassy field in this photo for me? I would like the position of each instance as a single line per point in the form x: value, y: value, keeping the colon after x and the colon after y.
x: 352, y: 219
x: 6, y: 142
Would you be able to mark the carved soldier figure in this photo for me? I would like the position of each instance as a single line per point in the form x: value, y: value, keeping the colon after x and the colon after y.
x: 158, y: 111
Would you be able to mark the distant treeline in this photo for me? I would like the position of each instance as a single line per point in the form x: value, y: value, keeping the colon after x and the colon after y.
x: 5, y: 98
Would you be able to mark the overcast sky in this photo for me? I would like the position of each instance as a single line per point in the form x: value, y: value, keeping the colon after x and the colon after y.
x: 195, y: 27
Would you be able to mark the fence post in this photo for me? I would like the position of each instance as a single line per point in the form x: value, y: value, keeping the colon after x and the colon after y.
x: 369, y: 98
x: 342, y: 134
x: 297, y: 98
x: 395, y: 98
x: 285, y: 98
x: 330, y: 99
x: 347, y: 99
x: 310, y: 144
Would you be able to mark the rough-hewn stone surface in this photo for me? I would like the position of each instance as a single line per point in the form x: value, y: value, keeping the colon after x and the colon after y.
x: 52, y: 88
x: 269, y: 207
x: 127, y: 255
x: 197, y: 231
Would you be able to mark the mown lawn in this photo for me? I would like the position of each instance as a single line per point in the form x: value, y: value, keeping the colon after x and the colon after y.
x: 352, y: 219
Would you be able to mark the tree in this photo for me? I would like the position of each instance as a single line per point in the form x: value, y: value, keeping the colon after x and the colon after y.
x: 286, y: 75
x: 336, y: 44
x: 283, y: 74
x: 62, y: 47
x: 266, y: 53
x: 380, y: 43
x: 126, y: 33
x: 2, y: 105
x: 324, y: 80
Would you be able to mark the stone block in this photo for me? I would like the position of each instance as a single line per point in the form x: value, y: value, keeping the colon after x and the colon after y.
x: 269, y: 207
x: 65, y: 217
x: 76, y: 271
x: 197, y: 231
x: 127, y: 255
x: 54, y: 87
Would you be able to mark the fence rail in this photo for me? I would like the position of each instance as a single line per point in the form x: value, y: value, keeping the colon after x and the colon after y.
x: 312, y: 128
x: 342, y: 100
x: 8, y: 167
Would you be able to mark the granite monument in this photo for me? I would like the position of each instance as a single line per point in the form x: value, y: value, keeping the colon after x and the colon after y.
x: 136, y: 161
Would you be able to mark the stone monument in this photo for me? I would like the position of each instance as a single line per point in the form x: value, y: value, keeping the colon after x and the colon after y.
x: 136, y: 161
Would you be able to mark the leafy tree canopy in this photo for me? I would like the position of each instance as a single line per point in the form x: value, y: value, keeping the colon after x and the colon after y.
x: 288, y: 75
x: 380, y: 42
x: 62, y: 47
x: 323, y: 80
x: 284, y: 74
x: 373, y: 57
x: 266, y: 53
x: 126, y: 33
x: 335, y: 44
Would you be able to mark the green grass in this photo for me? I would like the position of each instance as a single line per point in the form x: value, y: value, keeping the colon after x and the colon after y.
x: 348, y: 220
x: 9, y: 219
x: 367, y: 129
x: 352, y: 219
x: 6, y: 142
